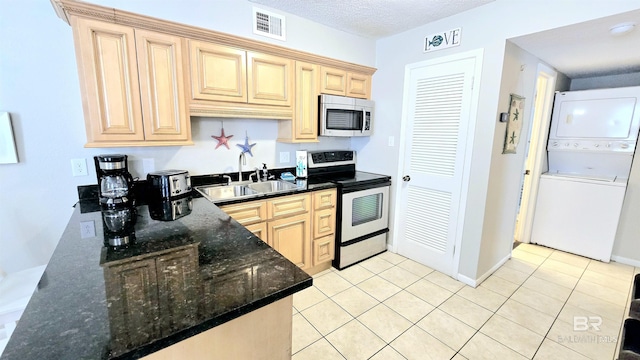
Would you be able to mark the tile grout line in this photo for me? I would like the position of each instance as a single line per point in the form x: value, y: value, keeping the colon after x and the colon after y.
x: 419, y: 277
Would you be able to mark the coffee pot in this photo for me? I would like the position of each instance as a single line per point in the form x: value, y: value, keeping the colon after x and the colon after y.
x: 114, y: 181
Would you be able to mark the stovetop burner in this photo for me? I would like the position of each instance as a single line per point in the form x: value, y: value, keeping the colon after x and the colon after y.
x: 339, y: 167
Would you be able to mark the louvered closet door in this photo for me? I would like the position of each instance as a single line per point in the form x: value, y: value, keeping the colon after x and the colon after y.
x: 438, y: 117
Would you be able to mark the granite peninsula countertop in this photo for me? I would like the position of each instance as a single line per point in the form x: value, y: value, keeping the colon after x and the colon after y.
x: 180, y: 277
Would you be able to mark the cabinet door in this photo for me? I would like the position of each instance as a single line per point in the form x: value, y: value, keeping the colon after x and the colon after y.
x: 218, y: 73
x: 177, y: 288
x: 323, y: 250
x: 324, y: 222
x: 132, y: 303
x: 247, y: 213
x: 291, y: 237
x: 358, y: 85
x: 305, y: 120
x: 288, y: 205
x: 270, y: 79
x: 325, y: 199
x: 162, y: 91
x: 333, y: 81
x: 106, y: 55
x: 259, y: 230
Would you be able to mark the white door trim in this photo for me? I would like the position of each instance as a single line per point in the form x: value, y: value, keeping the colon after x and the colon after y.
x: 539, y: 132
x: 397, y: 223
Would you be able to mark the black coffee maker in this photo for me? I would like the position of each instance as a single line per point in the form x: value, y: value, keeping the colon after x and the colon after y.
x: 115, y: 184
x: 114, y: 181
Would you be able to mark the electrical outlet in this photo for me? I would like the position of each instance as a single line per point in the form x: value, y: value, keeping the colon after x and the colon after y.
x: 87, y: 229
x: 79, y: 167
x: 284, y: 157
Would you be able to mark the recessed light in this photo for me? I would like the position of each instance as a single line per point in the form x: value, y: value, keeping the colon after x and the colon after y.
x: 621, y: 29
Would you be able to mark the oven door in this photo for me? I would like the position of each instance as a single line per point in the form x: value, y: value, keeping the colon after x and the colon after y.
x: 364, y: 212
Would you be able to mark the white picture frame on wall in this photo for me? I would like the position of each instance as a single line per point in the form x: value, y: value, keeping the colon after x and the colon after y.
x: 8, y: 153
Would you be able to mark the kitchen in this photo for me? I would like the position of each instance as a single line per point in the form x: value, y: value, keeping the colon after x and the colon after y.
x: 31, y: 242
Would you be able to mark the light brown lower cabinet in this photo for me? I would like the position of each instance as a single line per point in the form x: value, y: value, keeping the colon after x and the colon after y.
x: 290, y: 236
x: 259, y: 230
x: 301, y: 227
x: 323, y: 249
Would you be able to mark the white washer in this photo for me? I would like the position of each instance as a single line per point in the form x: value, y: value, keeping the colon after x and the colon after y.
x: 578, y: 214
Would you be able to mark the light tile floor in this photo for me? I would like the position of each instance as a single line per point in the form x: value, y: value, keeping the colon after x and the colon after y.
x: 390, y: 307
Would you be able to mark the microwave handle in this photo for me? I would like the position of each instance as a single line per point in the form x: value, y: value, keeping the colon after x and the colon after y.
x: 364, y: 119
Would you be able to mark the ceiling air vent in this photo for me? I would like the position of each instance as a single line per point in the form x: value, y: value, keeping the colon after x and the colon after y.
x: 268, y: 24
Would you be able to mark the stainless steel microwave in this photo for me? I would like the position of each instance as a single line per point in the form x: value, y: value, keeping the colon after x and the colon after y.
x: 345, y: 116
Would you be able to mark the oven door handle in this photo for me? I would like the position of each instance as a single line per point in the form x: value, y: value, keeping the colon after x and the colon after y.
x: 364, y: 119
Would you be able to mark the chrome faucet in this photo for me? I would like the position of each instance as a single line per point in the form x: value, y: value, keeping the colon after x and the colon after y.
x: 242, y: 160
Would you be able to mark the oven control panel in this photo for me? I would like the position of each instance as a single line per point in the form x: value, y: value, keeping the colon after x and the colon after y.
x: 331, y: 158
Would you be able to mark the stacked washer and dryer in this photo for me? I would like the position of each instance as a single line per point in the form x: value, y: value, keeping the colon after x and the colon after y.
x: 592, y: 141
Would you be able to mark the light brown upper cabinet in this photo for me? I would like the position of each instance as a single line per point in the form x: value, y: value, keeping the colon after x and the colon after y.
x: 231, y: 82
x: 218, y: 73
x: 344, y: 83
x: 270, y: 79
x: 132, y: 85
x: 304, y: 125
x: 142, y: 77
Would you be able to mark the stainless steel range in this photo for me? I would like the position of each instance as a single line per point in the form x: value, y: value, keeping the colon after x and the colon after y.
x: 363, y: 205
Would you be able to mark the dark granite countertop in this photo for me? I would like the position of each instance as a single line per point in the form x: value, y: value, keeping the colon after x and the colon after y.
x: 178, y: 278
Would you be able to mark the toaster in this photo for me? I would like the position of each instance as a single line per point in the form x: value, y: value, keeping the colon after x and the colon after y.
x: 169, y: 184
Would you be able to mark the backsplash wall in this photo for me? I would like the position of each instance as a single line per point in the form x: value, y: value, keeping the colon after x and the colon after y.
x: 203, y: 157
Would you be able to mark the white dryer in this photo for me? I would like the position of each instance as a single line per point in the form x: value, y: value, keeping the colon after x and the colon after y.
x: 592, y: 140
x: 578, y: 214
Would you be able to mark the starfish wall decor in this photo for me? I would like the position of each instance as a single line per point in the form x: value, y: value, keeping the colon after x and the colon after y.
x: 222, y: 139
x: 246, y: 147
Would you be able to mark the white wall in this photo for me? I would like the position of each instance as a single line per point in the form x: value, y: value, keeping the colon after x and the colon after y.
x: 39, y: 87
x: 485, y: 27
x: 519, y: 74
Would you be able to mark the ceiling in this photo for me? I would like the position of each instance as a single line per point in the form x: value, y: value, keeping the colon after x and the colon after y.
x: 587, y: 49
x: 373, y: 18
x: 580, y: 50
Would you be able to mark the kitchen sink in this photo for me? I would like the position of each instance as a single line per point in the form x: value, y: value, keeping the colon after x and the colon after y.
x: 271, y: 186
x: 243, y: 190
x: 222, y: 192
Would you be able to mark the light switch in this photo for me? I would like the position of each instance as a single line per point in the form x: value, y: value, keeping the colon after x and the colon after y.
x: 392, y: 140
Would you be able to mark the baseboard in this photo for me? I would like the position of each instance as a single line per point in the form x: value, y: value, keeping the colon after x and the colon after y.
x: 626, y: 261
x: 474, y: 283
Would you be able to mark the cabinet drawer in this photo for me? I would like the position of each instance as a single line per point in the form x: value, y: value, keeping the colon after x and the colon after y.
x: 324, y: 199
x: 324, y: 222
x: 323, y: 250
x: 259, y: 230
x: 288, y: 205
x: 247, y: 213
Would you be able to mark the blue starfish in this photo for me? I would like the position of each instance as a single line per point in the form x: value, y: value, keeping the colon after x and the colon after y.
x: 246, y: 148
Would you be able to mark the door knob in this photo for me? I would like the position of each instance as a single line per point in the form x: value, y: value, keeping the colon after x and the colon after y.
x: 406, y: 178
x: 527, y: 172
